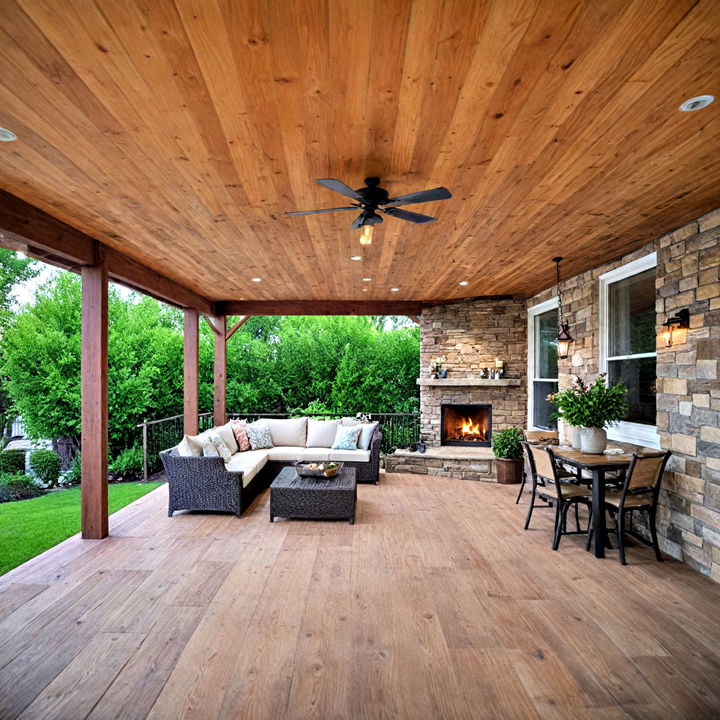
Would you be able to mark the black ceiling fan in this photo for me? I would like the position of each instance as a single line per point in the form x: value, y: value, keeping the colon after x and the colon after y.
x: 372, y: 197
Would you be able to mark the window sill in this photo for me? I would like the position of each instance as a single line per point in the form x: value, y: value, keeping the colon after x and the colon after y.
x: 635, y: 434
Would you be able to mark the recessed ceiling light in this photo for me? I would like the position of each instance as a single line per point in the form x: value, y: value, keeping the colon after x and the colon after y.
x: 256, y: 279
x: 7, y: 135
x: 356, y: 257
x: 364, y: 289
x: 463, y: 283
x: 696, y: 103
x: 367, y: 279
x: 394, y: 289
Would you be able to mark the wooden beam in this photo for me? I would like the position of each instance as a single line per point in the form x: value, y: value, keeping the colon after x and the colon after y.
x: 191, y: 332
x: 220, y: 368
x: 25, y: 228
x: 94, y: 389
x: 320, y: 307
x: 211, y: 324
x: 236, y: 326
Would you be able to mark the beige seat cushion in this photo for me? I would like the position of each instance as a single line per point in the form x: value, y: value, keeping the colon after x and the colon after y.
x: 228, y: 437
x: 250, y: 463
x: 349, y: 455
x: 292, y: 431
x: 321, y: 433
x: 314, y: 454
x: 285, y: 453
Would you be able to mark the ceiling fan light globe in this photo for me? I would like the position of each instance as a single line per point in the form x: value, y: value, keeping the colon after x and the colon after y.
x: 366, y: 235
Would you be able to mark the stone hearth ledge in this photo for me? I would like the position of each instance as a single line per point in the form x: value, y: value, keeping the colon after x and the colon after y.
x: 464, y: 463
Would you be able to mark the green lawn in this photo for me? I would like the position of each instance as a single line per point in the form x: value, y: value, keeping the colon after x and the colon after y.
x: 28, y: 527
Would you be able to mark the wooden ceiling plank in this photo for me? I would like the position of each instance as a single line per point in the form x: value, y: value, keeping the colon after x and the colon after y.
x: 22, y: 225
x: 186, y: 159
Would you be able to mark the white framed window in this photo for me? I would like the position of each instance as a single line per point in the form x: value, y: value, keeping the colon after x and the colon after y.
x: 628, y: 345
x: 542, y: 364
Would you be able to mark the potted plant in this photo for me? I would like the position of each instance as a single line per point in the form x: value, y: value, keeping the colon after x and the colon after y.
x: 568, y: 403
x: 593, y: 407
x: 508, y: 453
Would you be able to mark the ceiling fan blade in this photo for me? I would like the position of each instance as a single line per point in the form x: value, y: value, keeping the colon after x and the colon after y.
x: 439, y: 193
x: 407, y: 215
x: 357, y: 222
x: 314, y: 212
x: 339, y: 186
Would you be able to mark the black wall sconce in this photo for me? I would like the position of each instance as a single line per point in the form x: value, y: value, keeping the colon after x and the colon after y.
x: 679, y: 321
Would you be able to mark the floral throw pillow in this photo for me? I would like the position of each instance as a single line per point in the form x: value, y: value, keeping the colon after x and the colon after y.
x: 346, y: 438
x: 259, y: 435
x: 241, y: 436
x: 222, y: 449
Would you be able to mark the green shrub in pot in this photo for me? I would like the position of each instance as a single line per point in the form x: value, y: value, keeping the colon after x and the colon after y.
x: 592, y: 408
x: 508, y: 453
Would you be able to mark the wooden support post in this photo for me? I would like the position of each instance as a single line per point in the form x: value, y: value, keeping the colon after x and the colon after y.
x: 219, y: 408
x: 94, y: 389
x: 190, y: 372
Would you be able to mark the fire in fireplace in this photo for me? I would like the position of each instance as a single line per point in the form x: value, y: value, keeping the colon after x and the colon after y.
x: 466, y: 425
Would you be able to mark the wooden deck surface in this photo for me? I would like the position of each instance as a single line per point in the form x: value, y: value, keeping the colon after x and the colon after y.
x: 435, y: 604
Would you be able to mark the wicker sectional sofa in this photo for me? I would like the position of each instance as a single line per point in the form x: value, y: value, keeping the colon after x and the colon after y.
x: 209, y: 483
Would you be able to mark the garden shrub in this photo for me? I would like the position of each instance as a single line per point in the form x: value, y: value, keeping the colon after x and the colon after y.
x: 12, y: 461
x: 19, y: 487
x: 46, y: 466
x: 129, y: 463
x: 73, y: 474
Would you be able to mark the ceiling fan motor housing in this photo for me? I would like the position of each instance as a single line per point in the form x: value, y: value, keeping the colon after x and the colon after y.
x: 372, y: 195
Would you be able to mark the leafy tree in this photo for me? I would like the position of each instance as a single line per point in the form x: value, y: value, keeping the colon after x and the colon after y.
x: 14, y: 269
x: 274, y: 364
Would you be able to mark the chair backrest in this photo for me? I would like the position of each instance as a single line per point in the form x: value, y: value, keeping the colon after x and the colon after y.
x: 541, y: 437
x: 542, y: 459
x: 645, y: 471
x: 644, y: 476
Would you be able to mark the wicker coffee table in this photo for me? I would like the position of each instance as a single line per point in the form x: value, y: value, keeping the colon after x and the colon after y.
x: 293, y: 496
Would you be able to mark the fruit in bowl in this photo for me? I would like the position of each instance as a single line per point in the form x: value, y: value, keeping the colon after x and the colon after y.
x: 330, y: 469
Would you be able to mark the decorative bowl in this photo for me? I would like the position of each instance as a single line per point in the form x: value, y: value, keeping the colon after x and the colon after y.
x: 302, y: 468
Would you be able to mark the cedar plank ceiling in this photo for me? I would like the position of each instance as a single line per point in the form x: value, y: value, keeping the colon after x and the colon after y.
x: 180, y: 132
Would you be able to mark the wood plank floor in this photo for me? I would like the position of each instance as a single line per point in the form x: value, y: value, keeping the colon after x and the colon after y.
x: 435, y: 604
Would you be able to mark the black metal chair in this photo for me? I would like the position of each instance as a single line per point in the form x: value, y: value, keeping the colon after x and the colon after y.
x: 547, y: 484
x: 544, y: 437
x: 640, y: 491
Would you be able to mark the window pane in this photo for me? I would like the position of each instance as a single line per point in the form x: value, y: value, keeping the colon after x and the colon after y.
x: 639, y: 377
x: 546, y: 345
x: 541, y: 407
x: 632, y: 315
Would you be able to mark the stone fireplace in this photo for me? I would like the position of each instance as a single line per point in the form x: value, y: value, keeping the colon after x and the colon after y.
x: 470, y: 335
x: 465, y: 425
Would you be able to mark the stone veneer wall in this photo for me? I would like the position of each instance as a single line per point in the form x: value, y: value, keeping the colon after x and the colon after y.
x: 471, y: 335
x: 688, y: 401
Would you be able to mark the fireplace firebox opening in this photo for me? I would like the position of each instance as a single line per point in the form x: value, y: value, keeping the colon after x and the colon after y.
x: 466, y: 425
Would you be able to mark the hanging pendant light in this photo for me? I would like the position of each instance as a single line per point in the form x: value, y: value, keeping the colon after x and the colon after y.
x: 564, y: 337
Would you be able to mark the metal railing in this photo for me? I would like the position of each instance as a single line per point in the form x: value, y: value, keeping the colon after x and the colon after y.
x: 398, y: 429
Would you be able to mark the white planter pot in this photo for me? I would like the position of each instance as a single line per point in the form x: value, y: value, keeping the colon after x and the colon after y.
x: 576, y: 436
x: 593, y: 440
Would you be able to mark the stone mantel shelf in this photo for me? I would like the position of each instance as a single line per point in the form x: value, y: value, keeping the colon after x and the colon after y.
x: 470, y: 382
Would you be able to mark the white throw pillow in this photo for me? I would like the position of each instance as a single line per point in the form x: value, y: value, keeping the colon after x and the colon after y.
x: 228, y: 437
x: 288, y: 432
x: 321, y: 433
x: 209, y: 449
x: 366, y: 433
x: 188, y: 447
